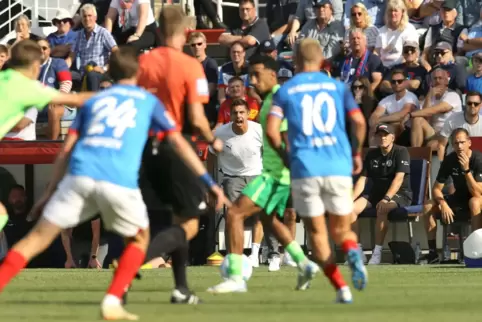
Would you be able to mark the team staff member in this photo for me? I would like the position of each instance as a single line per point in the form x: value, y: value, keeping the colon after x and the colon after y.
x: 465, y: 167
x: 179, y: 82
x: 389, y: 169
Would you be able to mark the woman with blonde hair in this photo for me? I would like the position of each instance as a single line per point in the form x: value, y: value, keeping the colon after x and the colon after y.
x: 397, y: 30
x: 360, y: 19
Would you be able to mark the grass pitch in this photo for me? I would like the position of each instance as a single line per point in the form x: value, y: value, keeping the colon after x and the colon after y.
x: 394, y: 293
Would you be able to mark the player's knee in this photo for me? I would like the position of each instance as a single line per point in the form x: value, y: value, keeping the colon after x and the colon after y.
x: 142, y: 238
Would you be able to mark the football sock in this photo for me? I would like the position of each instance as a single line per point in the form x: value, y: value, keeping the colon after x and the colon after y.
x: 378, y: 249
x: 235, y: 269
x: 432, y: 246
x: 334, y: 275
x: 129, y: 263
x: 296, y: 252
x: 348, y: 245
x: 3, y: 220
x: 179, y: 260
x: 13, y: 263
x: 255, y: 249
x: 166, y: 242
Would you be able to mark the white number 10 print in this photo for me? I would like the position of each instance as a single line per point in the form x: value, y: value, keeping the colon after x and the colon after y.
x: 312, y: 113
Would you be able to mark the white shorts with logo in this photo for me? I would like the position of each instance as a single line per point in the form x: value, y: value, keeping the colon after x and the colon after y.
x: 79, y: 199
x: 314, y: 196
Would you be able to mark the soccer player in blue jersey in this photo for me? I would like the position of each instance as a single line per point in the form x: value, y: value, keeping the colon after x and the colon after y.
x: 321, y: 160
x: 101, y: 158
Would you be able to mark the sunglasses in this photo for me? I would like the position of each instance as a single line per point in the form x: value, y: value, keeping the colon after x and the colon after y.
x: 196, y: 44
x: 473, y: 103
x: 397, y: 81
x: 440, y: 53
x: 408, y: 50
x: 356, y: 14
x: 357, y: 87
x: 56, y: 21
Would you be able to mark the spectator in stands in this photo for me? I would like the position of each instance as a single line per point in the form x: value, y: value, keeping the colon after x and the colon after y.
x: 473, y: 43
x: 429, y: 10
x: 464, y: 166
x: 17, y: 226
x: 414, y: 17
x: 397, y: 30
x: 393, y: 108
x: 467, y: 119
x: 136, y: 21
x: 474, y: 81
x: 101, y: 7
x: 207, y: 7
x: 444, y: 59
x: 361, y: 61
x: 92, y: 49
x: 360, y: 19
x: 439, y: 104
x: 197, y: 41
x: 25, y: 129
x: 252, y: 32
x: 238, y: 66
x: 469, y: 12
x: 363, y: 94
x: 416, y: 74
x: 237, y: 91
x: 64, y: 35
x: 324, y: 28
x: 278, y: 14
x: 446, y: 31
x: 22, y: 31
x: 374, y: 9
x: 304, y: 13
x: 3, y: 56
x: 284, y: 75
x: 268, y: 47
x: 388, y: 167
x: 55, y: 73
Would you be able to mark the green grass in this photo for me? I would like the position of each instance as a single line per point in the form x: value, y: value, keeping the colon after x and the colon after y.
x: 394, y: 293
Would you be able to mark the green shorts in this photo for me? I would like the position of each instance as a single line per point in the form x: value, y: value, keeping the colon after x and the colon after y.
x: 268, y: 193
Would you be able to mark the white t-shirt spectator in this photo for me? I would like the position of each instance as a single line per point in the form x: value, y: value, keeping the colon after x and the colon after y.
x: 241, y: 155
x: 133, y: 16
x: 391, y: 105
x: 451, y: 98
x: 391, y: 42
x: 28, y: 133
x: 457, y: 120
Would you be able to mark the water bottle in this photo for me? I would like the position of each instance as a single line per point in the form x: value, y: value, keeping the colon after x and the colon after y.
x: 447, y: 252
x: 417, y: 252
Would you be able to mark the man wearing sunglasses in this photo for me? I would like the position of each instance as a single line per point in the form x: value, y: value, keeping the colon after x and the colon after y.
x: 64, y: 34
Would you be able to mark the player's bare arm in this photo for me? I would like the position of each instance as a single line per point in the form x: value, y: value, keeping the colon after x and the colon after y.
x: 184, y: 150
x: 76, y: 100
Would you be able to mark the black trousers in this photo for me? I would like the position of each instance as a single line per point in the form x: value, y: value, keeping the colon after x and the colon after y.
x: 148, y: 39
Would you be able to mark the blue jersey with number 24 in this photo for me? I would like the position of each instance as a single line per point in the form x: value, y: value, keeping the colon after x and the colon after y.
x: 113, y: 127
x: 315, y: 106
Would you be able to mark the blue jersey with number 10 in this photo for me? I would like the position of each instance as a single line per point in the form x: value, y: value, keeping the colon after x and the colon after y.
x: 113, y: 127
x: 315, y: 106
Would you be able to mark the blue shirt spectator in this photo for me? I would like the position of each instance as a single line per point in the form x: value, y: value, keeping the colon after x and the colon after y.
x: 56, y: 39
x: 474, y: 32
x: 474, y: 82
x: 64, y: 34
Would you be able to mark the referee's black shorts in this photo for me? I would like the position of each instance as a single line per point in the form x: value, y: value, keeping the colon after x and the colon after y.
x: 172, y: 181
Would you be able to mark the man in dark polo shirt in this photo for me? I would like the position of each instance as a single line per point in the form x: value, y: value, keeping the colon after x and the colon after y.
x: 388, y: 167
x: 252, y: 31
x: 464, y: 166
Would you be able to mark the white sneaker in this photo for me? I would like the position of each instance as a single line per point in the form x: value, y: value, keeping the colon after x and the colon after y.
x: 288, y: 261
x: 229, y: 286
x: 254, y: 260
x: 343, y: 295
x: 375, y: 259
x: 306, y: 275
x: 116, y: 312
x: 274, y: 264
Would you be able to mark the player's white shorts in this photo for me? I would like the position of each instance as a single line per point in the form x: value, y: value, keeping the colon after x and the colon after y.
x: 79, y: 199
x: 314, y: 196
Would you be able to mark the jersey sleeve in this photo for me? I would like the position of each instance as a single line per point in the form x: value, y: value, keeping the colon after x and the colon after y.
x: 36, y: 94
x: 349, y: 102
x: 161, y: 123
x: 196, y: 84
x: 402, y: 161
x: 278, y: 105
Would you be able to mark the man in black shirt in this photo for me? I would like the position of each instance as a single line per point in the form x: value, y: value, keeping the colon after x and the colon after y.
x: 388, y: 167
x: 465, y: 167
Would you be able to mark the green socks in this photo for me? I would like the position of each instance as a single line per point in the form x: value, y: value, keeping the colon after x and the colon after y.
x: 296, y: 252
x: 235, y: 268
x: 3, y: 221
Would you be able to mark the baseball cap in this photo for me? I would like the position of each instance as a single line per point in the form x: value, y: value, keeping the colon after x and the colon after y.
x: 443, y: 45
x: 319, y: 3
x: 285, y: 73
x: 267, y: 46
x: 411, y: 43
x: 387, y: 128
x: 449, y: 4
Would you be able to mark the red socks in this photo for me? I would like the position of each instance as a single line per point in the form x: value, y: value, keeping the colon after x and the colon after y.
x: 13, y: 263
x: 129, y: 263
x: 334, y: 275
x: 348, y: 245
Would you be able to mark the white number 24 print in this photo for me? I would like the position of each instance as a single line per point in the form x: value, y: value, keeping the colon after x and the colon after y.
x: 311, y: 113
x: 109, y: 114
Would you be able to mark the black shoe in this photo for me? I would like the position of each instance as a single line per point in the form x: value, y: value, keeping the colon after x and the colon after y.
x: 218, y: 24
x: 177, y: 297
x: 431, y: 258
x: 201, y: 25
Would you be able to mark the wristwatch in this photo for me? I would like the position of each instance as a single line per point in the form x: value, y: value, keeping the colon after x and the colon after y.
x: 465, y: 171
x: 387, y: 198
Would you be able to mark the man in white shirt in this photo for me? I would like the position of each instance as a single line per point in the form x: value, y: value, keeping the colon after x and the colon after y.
x: 24, y: 130
x: 439, y: 104
x: 393, y: 108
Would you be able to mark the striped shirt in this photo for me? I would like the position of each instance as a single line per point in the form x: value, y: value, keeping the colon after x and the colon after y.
x: 96, y: 49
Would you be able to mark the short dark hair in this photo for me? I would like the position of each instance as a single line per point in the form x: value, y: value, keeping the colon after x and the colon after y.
x: 239, y: 102
x: 399, y: 71
x: 457, y: 131
x: 250, y: 1
x: 172, y: 21
x: 24, y: 54
x: 267, y: 61
x: 235, y: 79
x: 123, y: 63
x: 474, y: 93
